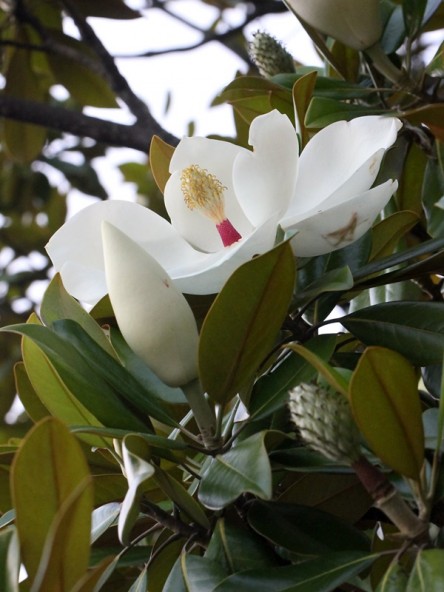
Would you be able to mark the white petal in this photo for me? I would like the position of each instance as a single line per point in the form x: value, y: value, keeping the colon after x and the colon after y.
x: 77, y: 253
x: 335, y: 153
x: 322, y: 231
x: 264, y: 180
x: 209, y: 274
x: 216, y: 157
x: 153, y: 316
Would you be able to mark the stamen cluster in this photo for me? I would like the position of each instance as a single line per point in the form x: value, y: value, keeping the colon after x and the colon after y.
x: 203, y: 191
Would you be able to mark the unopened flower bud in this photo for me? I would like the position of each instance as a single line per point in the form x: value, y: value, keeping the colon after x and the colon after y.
x: 269, y: 55
x: 355, y: 23
x: 153, y: 316
x: 325, y: 423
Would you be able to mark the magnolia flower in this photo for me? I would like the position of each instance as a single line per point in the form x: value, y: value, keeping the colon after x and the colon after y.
x: 356, y: 24
x: 153, y: 316
x: 226, y: 203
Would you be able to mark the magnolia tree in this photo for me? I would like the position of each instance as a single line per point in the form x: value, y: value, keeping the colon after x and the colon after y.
x: 241, y: 389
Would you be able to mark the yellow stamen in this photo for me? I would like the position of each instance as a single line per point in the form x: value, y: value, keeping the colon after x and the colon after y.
x: 202, y: 190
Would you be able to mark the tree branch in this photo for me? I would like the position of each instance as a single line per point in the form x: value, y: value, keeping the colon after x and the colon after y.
x: 115, y: 79
x: 137, y: 136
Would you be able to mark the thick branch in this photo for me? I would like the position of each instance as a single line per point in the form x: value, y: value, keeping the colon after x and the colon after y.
x: 137, y: 136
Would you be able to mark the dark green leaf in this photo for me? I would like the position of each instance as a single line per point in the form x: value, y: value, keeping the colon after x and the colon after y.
x: 323, y: 574
x: 271, y: 391
x: 386, y: 406
x: 303, y: 530
x: 323, y: 112
x: 244, y: 468
x: 107, y: 368
x: 414, y: 329
x: 243, y: 323
x: 238, y: 548
x: 91, y: 390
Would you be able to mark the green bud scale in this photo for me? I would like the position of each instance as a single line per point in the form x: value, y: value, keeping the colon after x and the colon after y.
x: 269, y: 55
x: 325, y: 423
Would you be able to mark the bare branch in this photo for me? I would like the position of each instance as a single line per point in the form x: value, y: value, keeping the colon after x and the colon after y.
x: 137, y: 136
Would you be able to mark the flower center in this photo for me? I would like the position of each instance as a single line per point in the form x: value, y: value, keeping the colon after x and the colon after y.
x: 204, y: 192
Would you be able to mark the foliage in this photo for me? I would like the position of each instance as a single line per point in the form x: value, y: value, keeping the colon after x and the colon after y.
x: 112, y: 481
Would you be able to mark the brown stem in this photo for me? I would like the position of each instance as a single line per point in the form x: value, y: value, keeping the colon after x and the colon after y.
x: 389, y: 501
x: 174, y: 524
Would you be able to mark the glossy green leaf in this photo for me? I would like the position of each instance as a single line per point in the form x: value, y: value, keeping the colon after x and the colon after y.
x: 414, y: 329
x: 107, y: 368
x: 338, y: 493
x: 54, y: 517
x: 80, y: 379
x: 72, y: 380
x: 180, y: 496
x: 408, y: 195
x: 270, y: 392
x: 244, y: 468
x: 323, y: 111
x: 57, y: 304
x: 243, y: 323
x: 335, y: 280
x: 9, y: 560
x: 141, y: 584
x: 238, y: 548
x: 386, y: 234
x: 251, y: 96
x: 139, y: 471
x: 53, y: 393
x: 161, y: 565
x: 386, y: 406
x: 144, y: 375
x: 303, y: 530
x: 175, y: 581
x: 432, y: 193
x: 201, y: 574
x: 334, y: 378
x: 323, y: 574
x: 427, y: 574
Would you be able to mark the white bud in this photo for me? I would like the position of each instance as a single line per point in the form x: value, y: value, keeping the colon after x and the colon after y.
x: 356, y: 23
x: 153, y: 316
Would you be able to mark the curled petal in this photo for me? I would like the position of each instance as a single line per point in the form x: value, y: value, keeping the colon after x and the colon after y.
x: 321, y: 230
x: 153, y: 316
x: 336, y: 153
x: 265, y: 179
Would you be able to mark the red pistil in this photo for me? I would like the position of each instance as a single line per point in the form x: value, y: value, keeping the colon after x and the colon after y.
x: 228, y: 233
